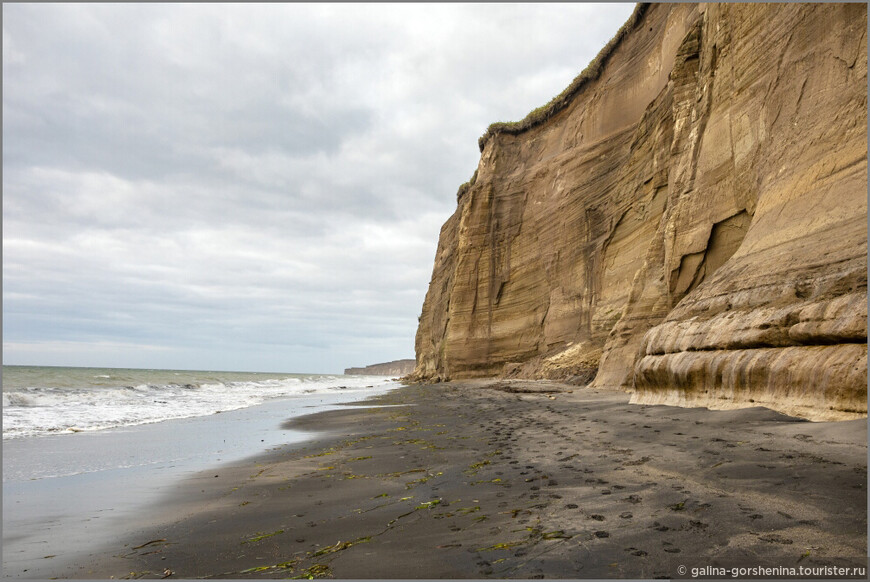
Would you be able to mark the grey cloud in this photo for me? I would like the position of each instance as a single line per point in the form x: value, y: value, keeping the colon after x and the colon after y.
x: 252, y: 186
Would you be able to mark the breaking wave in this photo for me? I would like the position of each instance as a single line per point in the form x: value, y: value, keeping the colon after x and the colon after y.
x: 34, y: 411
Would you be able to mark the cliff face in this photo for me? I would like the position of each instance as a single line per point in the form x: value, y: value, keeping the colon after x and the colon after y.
x: 690, y: 226
x: 395, y: 368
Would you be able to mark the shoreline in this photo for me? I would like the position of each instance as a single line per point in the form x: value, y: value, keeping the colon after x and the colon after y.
x: 117, y: 476
x: 519, y: 480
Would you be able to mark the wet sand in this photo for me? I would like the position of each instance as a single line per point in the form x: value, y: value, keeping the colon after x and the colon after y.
x: 66, y: 495
x: 512, y: 480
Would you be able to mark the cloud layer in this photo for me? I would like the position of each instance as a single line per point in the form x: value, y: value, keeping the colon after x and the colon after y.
x: 250, y: 187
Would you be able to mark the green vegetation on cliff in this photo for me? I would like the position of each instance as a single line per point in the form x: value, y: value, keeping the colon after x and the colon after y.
x: 563, y: 99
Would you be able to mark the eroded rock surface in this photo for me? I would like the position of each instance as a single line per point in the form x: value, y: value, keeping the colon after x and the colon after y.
x: 690, y: 227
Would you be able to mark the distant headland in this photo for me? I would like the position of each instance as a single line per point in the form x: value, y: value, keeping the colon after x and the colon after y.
x: 394, y: 368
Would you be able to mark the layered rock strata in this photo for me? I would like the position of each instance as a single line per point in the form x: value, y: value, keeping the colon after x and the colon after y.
x: 689, y: 224
x: 394, y: 368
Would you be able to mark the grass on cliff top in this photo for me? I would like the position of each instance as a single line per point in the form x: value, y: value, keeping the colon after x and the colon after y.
x: 563, y: 99
x: 464, y: 188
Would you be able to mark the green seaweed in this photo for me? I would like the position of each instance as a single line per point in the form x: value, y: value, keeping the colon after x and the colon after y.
x: 475, y: 467
x: 340, y: 546
x: 400, y: 473
x: 263, y: 536
x: 429, y: 504
x: 421, y: 480
x: 289, y: 565
x: 256, y: 569
x: 501, y: 546
x: 323, y: 454
x: 465, y: 510
x: 415, y: 482
x: 315, y: 571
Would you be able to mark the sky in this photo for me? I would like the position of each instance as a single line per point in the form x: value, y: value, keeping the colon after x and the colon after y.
x: 251, y: 187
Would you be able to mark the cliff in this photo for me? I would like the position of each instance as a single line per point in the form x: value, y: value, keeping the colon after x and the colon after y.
x: 687, y: 221
x: 395, y: 368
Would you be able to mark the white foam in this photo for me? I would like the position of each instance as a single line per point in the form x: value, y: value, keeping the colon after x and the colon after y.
x: 35, y: 411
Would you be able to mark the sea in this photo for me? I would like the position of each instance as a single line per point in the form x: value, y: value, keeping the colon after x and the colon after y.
x: 88, y: 450
x: 40, y: 400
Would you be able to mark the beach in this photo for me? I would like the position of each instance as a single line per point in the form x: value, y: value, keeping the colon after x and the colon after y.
x: 486, y: 479
x: 70, y: 485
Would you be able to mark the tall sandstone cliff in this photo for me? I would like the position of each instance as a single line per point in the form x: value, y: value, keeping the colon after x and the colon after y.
x: 690, y: 224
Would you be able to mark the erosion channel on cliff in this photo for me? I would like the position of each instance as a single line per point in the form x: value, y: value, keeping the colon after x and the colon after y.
x: 687, y: 221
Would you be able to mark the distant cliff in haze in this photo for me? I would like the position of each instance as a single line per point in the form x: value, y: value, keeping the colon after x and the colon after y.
x: 396, y: 368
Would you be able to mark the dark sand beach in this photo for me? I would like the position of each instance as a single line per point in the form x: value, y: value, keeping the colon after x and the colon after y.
x: 514, y: 479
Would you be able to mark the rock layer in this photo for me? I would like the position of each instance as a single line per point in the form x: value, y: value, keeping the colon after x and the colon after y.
x: 394, y: 368
x: 690, y: 227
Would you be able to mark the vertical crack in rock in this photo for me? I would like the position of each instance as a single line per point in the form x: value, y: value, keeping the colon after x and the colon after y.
x: 725, y: 238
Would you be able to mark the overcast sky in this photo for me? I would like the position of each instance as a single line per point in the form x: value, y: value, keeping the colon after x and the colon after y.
x: 251, y: 187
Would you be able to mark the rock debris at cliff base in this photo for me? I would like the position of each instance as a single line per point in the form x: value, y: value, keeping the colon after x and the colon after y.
x: 691, y: 227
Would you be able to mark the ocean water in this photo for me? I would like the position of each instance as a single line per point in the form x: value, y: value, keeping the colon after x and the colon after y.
x: 118, y: 441
x: 40, y: 401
